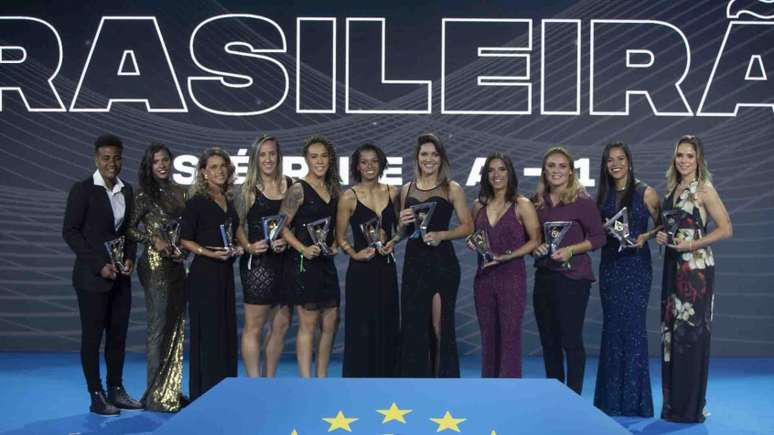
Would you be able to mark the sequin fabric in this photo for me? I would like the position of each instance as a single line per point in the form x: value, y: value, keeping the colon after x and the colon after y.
x: 162, y: 279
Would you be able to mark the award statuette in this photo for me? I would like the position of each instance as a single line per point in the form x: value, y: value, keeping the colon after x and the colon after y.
x: 372, y: 230
x: 318, y: 232
x: 115, y: 250
x: 422, y: 214
x: 618, y: 227
x: 553, y: 234
x: 671, y: 220
x: 170, y: 233
x: 480, y: 240
x: 272, y: 226
x: 226, y: 236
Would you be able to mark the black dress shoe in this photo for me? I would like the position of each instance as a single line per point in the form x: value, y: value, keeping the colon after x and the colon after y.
x: 101, y: 406
x: 119, y: 397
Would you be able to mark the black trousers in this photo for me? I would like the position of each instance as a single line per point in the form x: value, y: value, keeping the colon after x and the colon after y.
x: 106, y: 312
x: 560, y: 308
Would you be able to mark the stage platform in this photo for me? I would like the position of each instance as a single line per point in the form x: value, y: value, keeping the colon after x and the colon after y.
x: 44, y: 393
x: 382, y: 406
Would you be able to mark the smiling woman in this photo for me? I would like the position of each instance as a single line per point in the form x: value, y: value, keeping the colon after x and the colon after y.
x: 159, y: 204
x: 208, y: 226
x: 310, y: 273
x: 687, y: 295
x: 564, y: 276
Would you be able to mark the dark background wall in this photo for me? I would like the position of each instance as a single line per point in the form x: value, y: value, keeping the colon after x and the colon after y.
x: 43, y: 153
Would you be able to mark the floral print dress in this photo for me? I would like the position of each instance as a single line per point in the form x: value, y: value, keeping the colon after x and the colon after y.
x: 686, y: 314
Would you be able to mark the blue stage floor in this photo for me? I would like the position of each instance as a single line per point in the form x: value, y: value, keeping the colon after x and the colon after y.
x: 44, y: 393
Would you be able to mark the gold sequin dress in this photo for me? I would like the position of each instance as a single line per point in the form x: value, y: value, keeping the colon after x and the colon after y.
x: 162, y: 277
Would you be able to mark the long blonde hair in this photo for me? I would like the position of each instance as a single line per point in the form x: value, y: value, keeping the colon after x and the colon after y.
x: 703, y: 174
x: 574, y: 187
x: 253, y: 180
x: 200, y: 186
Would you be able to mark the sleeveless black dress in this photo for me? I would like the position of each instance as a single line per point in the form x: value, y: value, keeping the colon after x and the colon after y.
x: 429, y: 270
x: 371, y: 310
x: 262, y: 274
x: 312, y: 284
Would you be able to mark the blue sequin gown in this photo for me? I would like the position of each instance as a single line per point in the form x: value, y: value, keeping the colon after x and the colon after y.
x: 623, y: 379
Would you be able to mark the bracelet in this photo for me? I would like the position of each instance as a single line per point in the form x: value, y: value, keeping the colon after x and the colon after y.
x: 572, y: 251
x: 199, y: 250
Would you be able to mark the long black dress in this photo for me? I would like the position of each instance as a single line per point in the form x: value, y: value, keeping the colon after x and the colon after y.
x: 211, y: 303
x: 262, y: 274
x: 371, y: 309
x: 312, y: 284
x: 429, y: 270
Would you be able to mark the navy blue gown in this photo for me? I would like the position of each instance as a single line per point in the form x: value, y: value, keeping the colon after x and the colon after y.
x: 623, y: 379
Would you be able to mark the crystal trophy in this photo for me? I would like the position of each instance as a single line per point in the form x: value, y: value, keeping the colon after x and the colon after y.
x: 226, y: 236
x: 272, y: 226
x: 480, y: 240
x: 553, y: 233
x: 671, y: 220
x: 422, y: 214
x: 372, y: 230
x: 115, y: 250
x: 618, y: 227
x: 318, y: 232
x: 170, y: 233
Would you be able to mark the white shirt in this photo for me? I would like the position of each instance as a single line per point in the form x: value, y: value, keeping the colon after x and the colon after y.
x: 117, y: 202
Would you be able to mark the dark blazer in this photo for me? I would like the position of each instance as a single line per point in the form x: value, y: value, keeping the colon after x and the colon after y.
x: 88, y: 224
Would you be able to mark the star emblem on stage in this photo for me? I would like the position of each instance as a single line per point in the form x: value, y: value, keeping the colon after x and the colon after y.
x: 339, y: 422
x: 394, y: 414
x: 448, y: 422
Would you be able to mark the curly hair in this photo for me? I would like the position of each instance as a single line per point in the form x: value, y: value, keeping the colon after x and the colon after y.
x: 354, y: 161
x: 332, y: 179
x: 200, y: 185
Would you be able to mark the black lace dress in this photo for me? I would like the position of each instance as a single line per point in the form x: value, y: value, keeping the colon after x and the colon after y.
x: 428, y: 270
x: 262, y: 274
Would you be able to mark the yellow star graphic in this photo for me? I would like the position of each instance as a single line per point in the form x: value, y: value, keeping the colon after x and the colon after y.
x: 339, y: 422
x: 448, y: 422
x: 294, y: 432
x: 394, y: 414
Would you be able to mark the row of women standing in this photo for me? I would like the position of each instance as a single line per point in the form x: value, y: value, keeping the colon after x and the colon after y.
x: 416, y: 337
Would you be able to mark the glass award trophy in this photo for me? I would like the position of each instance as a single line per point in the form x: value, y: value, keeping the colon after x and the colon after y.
x: 115, y: 250
x: 372, y: 231
x: 422, y: 214
x: 618, y: 227
x: 272, y: 226
x: 480, y: 240
x: 226, y: 232
x: 170, y: 233
x: 671, y: 220
x: 553, y: 234
x: 318, y: 232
